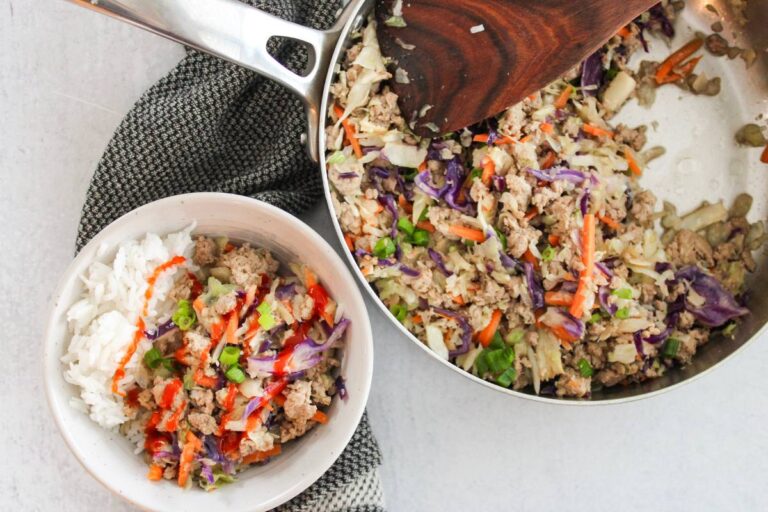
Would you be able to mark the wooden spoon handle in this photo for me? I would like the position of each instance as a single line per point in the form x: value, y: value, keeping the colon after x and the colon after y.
x: 468, y: 74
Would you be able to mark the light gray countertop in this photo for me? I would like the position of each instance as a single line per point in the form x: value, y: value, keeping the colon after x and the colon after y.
x: 66, y: 79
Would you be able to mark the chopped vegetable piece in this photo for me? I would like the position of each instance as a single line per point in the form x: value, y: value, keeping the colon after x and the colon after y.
x: 420, y: 237
x: 399, y: 311
x: 184, y: 317
x: 671, y: 347
x: 588, y: 259
x: 229, y: 356
x: 489, y: 169
x: 191, y: 446
x: 548, y: 254
x: 558, y: 298
x: 473, y: 235
x: 266, y: 318
x: 507, y: 377
x: 585, y: 368
x: 405, y: 225
x: 515, y: 336
x: 384, y: 248
x: 596, y: 317
x: 153, y: 358
x: 677, y: 58
x: 562, y: 100
x: 349, y: 130
x: 155, y: 472
x: 485, y: 336
x: 764, y: 156
x: 622, y: 313
x: 622, y: 293
x: 596, y: 131
x: 502, y: 238
x: 235, y: 374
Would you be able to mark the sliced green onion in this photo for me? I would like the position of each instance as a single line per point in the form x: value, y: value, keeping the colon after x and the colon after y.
x: 622, y: 313
x: 405, y: 225
x: 729, y: 329
x: 548, y: 254
x: 266, y: 318
x: 585, y: 369
x: 169, y: 364
x: 497, y: 341
x: 622, y: 293
x: 409, y: 174
x: 235, y: 374
x: 399, y: 311
x: 515, y: 336
x: 476, y: 173
x: 229, y: 356
x: 596, y: 317
x: 384, y: 248
x: 671, y: 347
x: 507, y: 377
x: 336, y: 158
x: 420, y: 237
x: 502, y: 238
x: 424, y: 213
x: 481, y: 363
x: 469, y: 243
x: 501, y: 359
x: 153, y: 358
x: 184, y: 317
x: 395, y: 21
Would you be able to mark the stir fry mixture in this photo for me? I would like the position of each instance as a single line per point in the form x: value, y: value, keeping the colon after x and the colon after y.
x: 243, y: 366
x: 523, y: 249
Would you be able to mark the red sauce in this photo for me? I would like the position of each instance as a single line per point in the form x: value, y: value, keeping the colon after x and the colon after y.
x: 197, y: 287
x: 229, y: 400
x: 139, y: 334
x: 299, y: 334
x: 282, y: 361
x: 169, y: 393
x: 132, y: 398
x: 230, y: 445
x: 173, y: 422
x: 320, y: 296
x: 154, y: 440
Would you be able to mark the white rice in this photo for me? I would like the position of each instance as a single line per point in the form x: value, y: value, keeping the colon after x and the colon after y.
x: 102, y: 322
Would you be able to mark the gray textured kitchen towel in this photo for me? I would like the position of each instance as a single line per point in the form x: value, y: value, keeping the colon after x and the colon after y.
x: 213, y: 126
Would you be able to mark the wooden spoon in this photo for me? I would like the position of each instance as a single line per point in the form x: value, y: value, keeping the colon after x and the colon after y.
x: 471, y: 59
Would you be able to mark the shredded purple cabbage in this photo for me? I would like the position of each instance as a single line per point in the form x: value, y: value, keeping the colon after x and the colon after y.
x: 584, y: 202
x: 341, y: 387
x: 534, y: 286
x: 466, y: 331
x: 592, y: 73
x: 602, y: 267
x: 286, y: 291
x: 662, y: 267
x: 409, y: 271
x: 361, y: 253
x: 348, y: 175
x: 719, y: 307
x: 162, y: 329
x: 658, y: 14
x: 638, y: 339
x: 389, y: 203
x: 439, y: 263
x: 205, y: 470
x: 570, y: 175
x: 569, y: 286
x: 509, y: 263
x: 603, y: 293
x: 499, y: 183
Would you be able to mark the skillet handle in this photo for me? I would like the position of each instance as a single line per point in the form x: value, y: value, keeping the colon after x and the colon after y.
x: 238, y: 33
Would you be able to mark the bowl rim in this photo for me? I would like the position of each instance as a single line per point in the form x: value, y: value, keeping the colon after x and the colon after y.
x: 55, y: 309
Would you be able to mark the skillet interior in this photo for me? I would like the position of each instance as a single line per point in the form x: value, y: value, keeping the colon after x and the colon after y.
x: 702, y: 163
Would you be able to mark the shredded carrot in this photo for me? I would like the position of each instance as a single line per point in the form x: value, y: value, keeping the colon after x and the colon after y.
x: 309, y: 278
x: 558, y: 298
x: 426, y: 226
x: 764, y: 156
x: 231, y: 333
x: 547, y: 127
x: 532, y: 97
x: 562, y: 100
x: 530, y: 214
x: 155, y: 473
x: 674, y: 60
x: 500, y: 140
x: 608, y: 221
x: 262, y: 456
x: 349, y: 242
x: 320, y: 417
x: 681, y: 72
x: 562, y: 333
x: 505, y: 139
x: 198, y: 305
x: 530, y: 258
x: 486, y: 335
x: 596, y: 131
x: 483, y: 138
x: 588, y: 259
x: 630, y: 158
x: 349, y: 130
x: 458, y: 299
x: 466, y: 233
x: 624, y: 32
x: 417, y: 319
x: 191, y: 446
x: 404, y: 204
x: 489, y: 169
x: 526, y: 138
x: 553, y: 240
x: 549, y: 160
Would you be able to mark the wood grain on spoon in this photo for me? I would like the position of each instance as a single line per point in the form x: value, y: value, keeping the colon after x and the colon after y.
x: 474, y: 58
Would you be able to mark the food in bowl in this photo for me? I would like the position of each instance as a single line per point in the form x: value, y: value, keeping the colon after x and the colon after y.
x: 203, y: 353
x: 523, y: 249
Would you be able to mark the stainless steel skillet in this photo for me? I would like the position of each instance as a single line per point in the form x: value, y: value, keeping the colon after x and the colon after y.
x: 239, y: 33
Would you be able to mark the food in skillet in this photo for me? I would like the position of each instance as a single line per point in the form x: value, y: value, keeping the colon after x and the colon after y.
x: 203, y: 355
x: 523, y: 249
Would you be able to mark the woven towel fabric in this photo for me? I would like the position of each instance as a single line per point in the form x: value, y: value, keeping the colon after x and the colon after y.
x: 212, y: 126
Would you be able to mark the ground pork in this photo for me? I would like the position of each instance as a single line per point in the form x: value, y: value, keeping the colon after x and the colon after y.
x: 515, y: 200
x: 632, y: 137
x: 248, y: 264
x: 257, y: 441
x: 383, y: 111
x: 205, y: 251
x: 225, y: 303
x: 689, y: 248
x: 203, y: 423
x: 182, y: 288
x: 643, y: 205
x: 202, y: 399
x: 197, y: 343
x: 169, y: 342
x: 302, y: 305
x: 298, y: 410
x: 570, y: 384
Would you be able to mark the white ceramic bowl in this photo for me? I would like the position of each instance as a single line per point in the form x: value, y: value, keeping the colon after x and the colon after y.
x: 109, y: 457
